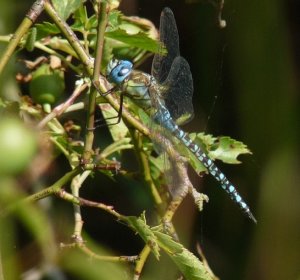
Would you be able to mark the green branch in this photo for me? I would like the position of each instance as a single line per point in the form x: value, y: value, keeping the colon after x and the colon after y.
x: 35, y: 10
x: 57, y: 186
x: 102, y: 22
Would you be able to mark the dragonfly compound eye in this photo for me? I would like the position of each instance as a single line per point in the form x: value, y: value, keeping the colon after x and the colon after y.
x: 124, y: 72
x: 120, y: 71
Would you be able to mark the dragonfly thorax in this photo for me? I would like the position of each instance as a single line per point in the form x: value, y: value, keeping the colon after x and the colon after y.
x: 137, y: 88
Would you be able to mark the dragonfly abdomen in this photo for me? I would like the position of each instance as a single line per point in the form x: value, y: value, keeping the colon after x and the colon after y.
x: 163, y: 117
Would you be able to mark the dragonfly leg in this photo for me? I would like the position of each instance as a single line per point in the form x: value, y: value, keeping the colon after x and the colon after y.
x: 103, y: 121
x: 103, y: 93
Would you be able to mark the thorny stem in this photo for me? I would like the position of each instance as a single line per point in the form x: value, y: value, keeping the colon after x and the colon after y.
x: 144, y: 163
x: 35, y: 10
x: 205, y: 263
x: 102, y: 22
x: 70, y: 35
x: 84, y: 202
x: 141, y: 261
x: 93, y: 255
x: 107, y: 258
x: 75, y: 186
x: 183, y: 184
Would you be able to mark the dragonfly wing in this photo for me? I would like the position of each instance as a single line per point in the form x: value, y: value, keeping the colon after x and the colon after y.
x: 168, y: 35
x: 179, y: 94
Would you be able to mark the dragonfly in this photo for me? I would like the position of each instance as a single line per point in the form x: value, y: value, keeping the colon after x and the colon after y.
x: 166, y: 95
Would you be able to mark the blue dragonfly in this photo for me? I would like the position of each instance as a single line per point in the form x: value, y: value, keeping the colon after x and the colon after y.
x: 166, y: 96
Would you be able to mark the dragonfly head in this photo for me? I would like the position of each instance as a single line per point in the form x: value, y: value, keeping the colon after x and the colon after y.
x: 118, y: 70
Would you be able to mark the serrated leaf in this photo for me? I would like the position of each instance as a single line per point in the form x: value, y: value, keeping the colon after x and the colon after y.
x: 80, y: 16
x: 114, y: 20
x: 222, y: 148
x: 206, y: 140
x: 228, y: 150
x: 188, y: 264
x: 66, y: 7
x: 139, y: 225
x: 193, y: 160
x: 45, y: 29
x: 139, y: 40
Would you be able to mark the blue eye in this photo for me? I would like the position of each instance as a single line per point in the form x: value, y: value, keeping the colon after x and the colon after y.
x: 123, y: 71
x: 118, y: 71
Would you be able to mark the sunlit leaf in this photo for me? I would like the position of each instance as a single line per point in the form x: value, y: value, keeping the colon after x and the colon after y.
x: 66, y: 7
x: 139, y: 225
x: 117, y: 130
x: 229, y: 149
x: 188, y: 264
x: 222, y: 148
x: 140, y: 40
x: 45, y: 29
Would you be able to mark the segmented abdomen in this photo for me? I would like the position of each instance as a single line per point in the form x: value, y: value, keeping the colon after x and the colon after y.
x: 163, y: 117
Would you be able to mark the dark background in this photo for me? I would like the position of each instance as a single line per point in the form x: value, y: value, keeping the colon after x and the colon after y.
x: 246, y: 85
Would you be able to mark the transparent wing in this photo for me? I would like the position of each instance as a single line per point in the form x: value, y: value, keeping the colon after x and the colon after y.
x: 168, y: 35
x: 179, y: 91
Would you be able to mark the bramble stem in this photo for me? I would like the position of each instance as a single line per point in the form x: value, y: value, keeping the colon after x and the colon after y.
x: 89, y: 137
x: 141, y: 262
x: 35, y: 10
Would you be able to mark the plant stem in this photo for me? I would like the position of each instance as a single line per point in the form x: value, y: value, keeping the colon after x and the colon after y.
x: 141, y: 262
x: 87, y: 62
x: 84, y: 202
x: 70, y: 35
x: 75, y: 186
x: 144, y: 163
x: 30, y: 18
x: 45, y: 192
x: 102, y: 22
x: 93, y: 255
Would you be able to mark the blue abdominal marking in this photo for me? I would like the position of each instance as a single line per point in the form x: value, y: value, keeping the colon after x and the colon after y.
x: 167, y: 96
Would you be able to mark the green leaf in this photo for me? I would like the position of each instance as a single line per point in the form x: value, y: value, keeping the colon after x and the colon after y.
x: 144, y: 117
x: 45, y: 29
x: 118, y: 131
x: 139, y: 40
x: 228, y: 149
x: 139, y: 225
x: 114, y: 20
x: 222, y: 148
x: 117, y: 146
x: 189, y: 265
x: 66, y: 7
x: 80, y: 17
